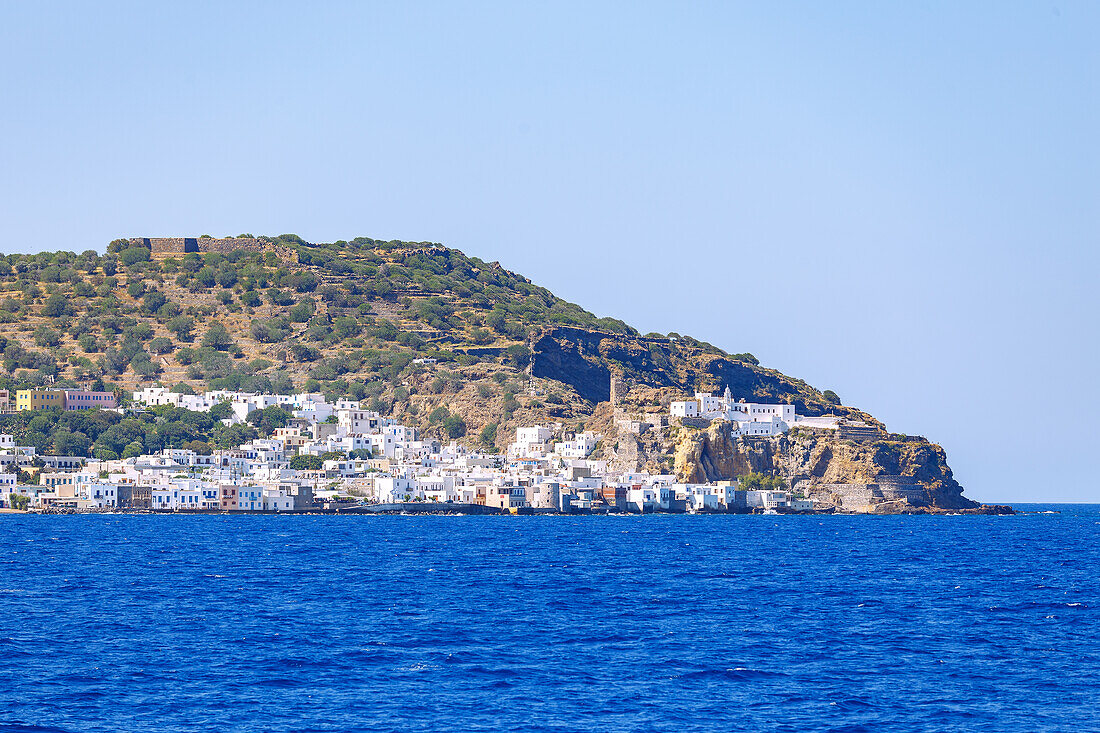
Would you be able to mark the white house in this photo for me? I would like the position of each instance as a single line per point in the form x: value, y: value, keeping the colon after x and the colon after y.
x: 701, y: 497
x: 579, y: 446
x: 577, y: 497
x: 392, y: 489
x: 250, y: 498
x: 709, y: 402
x: 437, y: 488
x: 530, y: 442
x: 648, y: 498
x: 277, y: 500
x: 760, y: 427
x: 400, y: 433
x: 358, y: 421
x: 177, y: 498
x: 766, y: 499
x: 685, y: 408
x: 100, y: 495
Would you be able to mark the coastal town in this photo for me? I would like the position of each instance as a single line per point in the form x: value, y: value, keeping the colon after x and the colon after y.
x: 340, y: 456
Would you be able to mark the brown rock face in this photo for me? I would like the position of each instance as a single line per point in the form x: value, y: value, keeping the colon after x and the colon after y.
x: 816, y: 460
x: 585, y: 359
x: 715, y: 455
x: 820, y: 458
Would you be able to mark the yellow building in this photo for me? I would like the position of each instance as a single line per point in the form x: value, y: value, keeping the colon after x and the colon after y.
x: 39, y: 399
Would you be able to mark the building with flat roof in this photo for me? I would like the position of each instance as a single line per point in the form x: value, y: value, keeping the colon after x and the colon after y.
x: 39, y: 399
x: 79, y: 399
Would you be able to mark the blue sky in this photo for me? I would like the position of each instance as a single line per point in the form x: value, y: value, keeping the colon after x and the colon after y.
x: 897, y: 201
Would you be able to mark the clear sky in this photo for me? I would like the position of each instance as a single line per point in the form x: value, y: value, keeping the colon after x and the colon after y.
x: 896, y: 201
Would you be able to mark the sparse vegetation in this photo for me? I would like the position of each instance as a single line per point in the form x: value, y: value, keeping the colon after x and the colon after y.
x: 347, y: 319
x: 761, y: 482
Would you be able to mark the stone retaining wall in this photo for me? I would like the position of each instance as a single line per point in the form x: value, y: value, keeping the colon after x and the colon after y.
x: 167, y: 246
x: 857, y: 496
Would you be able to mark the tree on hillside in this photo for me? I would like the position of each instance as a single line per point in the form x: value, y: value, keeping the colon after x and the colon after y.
x: 217, y: 337
x: 88, y: 343
x: 221, y: 411
x: 232, y: 436
x: 455, y: 427
x: 56, y: 305
x: 303, y: 462
x: 760, y: 482
x: 496, y: 321
x: 133, y: 255
x: 153, y: 300
x: 182, y: 326
x: 279, y: 297
x: 518, y: 355
x: 46, y: 336
x: 269, y: 418
x: 133, y: 450
x: 114, y: 361
x: 68, y: 443
x: 143, y: 365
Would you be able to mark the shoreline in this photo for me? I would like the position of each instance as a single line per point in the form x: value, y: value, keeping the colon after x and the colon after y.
x: 480, y: 510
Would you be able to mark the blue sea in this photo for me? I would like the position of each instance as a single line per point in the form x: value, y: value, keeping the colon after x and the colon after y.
x: 655, y: 623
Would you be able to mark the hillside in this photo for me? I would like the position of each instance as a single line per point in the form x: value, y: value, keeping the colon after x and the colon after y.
x: 365, y: 319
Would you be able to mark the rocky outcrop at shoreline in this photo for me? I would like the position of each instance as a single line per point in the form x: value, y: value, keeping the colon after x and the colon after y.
x: 821, y: 465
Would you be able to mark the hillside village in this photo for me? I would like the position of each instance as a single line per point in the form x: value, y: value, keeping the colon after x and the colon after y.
x: 446, y: 347
x: 342, y: 456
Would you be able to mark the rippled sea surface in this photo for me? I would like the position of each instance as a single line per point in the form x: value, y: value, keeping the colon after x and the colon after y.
x: 657, y: 623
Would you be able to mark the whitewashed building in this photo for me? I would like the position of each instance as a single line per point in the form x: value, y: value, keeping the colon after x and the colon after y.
x: 531, y: 442
x: 580, y: 446
x: 684, y: 408
x: 394, y: 489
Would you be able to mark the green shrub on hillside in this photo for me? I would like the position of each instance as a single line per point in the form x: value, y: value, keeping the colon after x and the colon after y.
x: 761, y: 482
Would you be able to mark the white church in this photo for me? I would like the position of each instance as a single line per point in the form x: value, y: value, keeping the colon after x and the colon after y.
x: 752, y: 418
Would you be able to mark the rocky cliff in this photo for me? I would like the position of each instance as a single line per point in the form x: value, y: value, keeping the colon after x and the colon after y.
x: 455, y: 346
x: 823, y: 465
x: 658, y: 369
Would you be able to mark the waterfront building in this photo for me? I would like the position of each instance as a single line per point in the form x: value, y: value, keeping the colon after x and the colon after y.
x: 379, y: 460
x: 766, y: 499
x: 395, y: 489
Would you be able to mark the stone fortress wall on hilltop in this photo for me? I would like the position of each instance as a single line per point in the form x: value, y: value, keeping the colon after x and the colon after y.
x: 167, y: 246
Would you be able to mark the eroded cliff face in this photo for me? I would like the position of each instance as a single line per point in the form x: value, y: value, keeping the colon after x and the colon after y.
x: 892, y: 468
x: 715, y: 455
x: 817, y: 462
x: 585, y: 359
